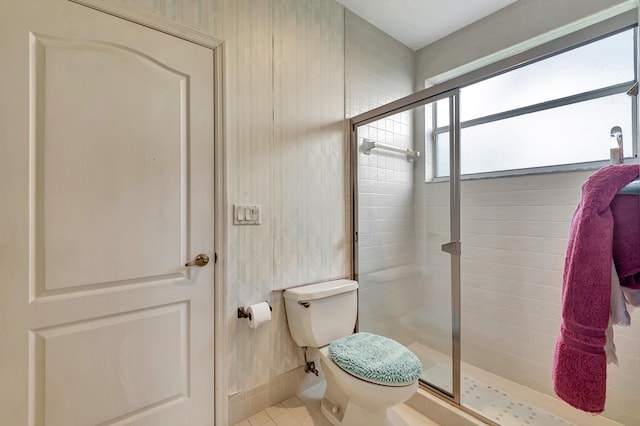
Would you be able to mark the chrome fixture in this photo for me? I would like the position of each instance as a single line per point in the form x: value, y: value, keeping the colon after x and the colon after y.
x: 369, y: 144
x: 616, y: 155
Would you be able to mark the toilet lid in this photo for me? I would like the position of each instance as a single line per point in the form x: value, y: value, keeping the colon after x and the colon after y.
x: 376, y: 359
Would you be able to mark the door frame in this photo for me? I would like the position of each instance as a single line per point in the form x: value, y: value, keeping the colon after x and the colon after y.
x: 158, y: 23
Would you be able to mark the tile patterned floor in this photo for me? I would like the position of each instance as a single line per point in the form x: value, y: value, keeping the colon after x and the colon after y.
x: 494, y: 403
x: 304, y: 410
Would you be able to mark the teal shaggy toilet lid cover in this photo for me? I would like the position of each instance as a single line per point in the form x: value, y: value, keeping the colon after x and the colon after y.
x: 376, y: 359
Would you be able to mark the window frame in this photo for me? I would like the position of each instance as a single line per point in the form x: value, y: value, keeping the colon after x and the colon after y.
x: 431, y: 137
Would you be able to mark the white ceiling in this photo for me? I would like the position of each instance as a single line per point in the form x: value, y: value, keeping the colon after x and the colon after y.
x: 417, y: 23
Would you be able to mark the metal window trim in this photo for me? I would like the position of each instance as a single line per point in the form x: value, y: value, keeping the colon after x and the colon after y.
x: 543, y: 106
x: 556, y: 103
x: 541, y: 170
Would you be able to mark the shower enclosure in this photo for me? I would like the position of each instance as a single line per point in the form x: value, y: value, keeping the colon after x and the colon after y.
x: 467, y: 273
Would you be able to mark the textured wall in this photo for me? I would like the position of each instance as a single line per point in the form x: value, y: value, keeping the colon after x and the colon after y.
x: 285, y: 152
x: 310, y: 218
x: 379, y: 69
x: 284, y: 116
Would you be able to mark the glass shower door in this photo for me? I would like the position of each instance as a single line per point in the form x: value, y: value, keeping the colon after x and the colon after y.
x: 439, y: 219
x: 407, y: 246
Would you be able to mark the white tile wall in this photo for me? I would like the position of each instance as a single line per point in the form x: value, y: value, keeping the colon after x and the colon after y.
x: 379, y: 69
x: 514, y: 233
x: 514, y: 238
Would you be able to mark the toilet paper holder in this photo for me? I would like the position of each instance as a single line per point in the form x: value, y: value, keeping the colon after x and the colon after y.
x: 242, y: 313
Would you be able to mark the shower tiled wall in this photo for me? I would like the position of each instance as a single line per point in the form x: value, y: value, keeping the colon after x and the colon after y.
x: 514, y: 232
x: 379, y: 69
x: 514, y: 237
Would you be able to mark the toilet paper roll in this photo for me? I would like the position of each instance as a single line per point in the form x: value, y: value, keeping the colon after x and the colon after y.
x: 260, y: 312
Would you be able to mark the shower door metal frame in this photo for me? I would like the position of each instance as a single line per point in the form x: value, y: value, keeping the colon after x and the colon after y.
x: 453, y: 247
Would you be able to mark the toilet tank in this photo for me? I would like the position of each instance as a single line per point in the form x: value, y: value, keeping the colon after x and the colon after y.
x: 319, y: 313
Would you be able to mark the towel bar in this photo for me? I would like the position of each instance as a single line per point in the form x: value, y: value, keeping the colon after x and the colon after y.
x: 368, y: 145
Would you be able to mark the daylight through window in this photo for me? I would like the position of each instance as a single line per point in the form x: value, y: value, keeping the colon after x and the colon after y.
x: 556, y: 111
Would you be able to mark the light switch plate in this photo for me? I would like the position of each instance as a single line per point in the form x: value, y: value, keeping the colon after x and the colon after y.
x: 246, y: 214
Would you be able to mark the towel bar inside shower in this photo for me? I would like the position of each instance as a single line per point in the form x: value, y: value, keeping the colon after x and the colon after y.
x: 369, y: 144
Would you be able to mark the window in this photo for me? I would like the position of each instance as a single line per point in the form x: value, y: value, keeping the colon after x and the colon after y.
x: 555, y: 111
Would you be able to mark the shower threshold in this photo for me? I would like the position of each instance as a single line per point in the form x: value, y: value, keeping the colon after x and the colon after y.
x: 501, y: 400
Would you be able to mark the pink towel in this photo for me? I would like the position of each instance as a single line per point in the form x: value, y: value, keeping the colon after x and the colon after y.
x: 579, y: 363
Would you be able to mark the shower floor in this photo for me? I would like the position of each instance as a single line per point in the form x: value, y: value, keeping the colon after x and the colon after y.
x: 501, y: 400
x: 493, y: 403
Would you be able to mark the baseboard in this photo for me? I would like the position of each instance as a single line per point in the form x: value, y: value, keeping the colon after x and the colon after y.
x: 246, y: 403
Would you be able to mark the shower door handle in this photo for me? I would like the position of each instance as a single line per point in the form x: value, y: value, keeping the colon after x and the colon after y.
x: 453, y: 247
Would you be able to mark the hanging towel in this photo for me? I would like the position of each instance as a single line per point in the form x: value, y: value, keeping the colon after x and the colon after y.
x: 626, y: 239
x: 579, y: 362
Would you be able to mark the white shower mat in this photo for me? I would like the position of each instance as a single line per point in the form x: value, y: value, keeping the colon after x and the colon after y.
x: 493, y: 403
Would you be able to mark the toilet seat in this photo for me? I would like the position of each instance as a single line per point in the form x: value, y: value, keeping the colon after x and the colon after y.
x: 375, y: 359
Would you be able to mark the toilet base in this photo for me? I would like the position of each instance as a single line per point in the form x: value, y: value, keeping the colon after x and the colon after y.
x: 353, y: 415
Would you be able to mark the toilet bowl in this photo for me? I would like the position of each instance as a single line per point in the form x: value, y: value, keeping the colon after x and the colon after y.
x: 366, y: 374
x: 352, y: 401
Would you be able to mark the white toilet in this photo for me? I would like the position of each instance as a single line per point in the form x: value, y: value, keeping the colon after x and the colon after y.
x: 366, y: 374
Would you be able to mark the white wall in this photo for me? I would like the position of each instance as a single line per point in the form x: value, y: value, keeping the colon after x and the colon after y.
x: 285, y: 97
x: 379, y: 69
x: 284, y: 116
x: 285, y: 111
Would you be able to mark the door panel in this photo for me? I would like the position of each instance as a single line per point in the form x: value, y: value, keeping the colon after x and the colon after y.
x: 76, y: 363
x: 122, y: 169
x: 107, y: 182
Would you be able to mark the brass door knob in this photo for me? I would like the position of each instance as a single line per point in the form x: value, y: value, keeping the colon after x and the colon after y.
x: 200, y: 260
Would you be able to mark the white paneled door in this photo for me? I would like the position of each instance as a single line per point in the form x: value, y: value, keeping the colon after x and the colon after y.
x: 106, y: 191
